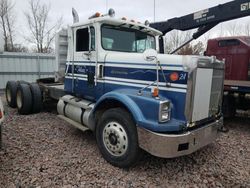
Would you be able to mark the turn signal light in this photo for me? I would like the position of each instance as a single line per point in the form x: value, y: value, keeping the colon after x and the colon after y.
x: 155, y: 92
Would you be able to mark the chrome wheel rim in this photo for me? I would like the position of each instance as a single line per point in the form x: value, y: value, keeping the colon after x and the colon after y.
x: 8, y: 95
x: 115, y: 139
x: 19, y: 99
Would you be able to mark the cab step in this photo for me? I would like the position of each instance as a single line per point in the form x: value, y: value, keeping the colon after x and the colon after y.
x: 74, y: 123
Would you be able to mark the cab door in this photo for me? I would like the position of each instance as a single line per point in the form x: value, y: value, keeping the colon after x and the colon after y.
x: 84, y: 62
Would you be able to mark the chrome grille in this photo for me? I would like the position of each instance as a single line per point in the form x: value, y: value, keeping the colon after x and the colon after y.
x: 205, y: 90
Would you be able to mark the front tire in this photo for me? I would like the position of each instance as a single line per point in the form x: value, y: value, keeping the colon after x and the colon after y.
x: 117, y: 139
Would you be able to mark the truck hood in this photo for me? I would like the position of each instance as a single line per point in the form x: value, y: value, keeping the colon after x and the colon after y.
x: 172, y: 62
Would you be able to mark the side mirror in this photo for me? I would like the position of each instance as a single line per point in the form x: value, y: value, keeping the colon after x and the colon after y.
x: 150, y: 55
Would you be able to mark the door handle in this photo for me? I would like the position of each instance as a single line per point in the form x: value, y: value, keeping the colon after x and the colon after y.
x: 100, y: 71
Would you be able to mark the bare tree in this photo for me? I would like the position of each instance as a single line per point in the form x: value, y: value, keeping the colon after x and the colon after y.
x: 222, y: 31
x: 175, y: 38
x: 233, y: 29
x: 246, y: 29
x: 192, y: 49
x: 20, y: 48
x: 42, y: 31
x: 198, y: 48
x: 7, y: 23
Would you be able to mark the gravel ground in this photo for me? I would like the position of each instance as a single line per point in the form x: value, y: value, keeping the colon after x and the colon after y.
x: 43, y: 151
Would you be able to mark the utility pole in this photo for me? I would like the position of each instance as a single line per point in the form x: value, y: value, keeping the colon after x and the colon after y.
x: 106, y: 5
x: 154, y: 10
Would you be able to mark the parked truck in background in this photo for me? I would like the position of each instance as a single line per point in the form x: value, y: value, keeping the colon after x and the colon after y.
x: 236, y: 53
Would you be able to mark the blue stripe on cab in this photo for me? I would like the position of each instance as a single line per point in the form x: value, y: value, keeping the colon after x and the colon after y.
x: 133, y: 73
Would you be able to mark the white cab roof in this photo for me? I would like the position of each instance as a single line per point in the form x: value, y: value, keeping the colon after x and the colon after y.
x: 117, y: 22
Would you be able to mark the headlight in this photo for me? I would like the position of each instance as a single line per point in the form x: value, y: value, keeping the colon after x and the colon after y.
x: 164, y: 111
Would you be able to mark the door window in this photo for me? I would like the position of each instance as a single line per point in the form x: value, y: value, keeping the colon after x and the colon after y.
x: 82, y: 39
x: 230, y: 42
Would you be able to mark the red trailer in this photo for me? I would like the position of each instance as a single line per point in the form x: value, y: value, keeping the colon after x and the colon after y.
x: 236, y: 52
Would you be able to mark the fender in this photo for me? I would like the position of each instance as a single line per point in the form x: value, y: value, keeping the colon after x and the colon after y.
x: 144, y: 109
x: 125, y: 100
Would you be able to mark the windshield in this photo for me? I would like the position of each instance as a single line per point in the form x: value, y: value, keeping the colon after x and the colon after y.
x: 124, y: 39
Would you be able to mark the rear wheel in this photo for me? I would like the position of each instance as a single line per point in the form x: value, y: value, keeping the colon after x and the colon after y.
x: 117, y: 138
x: 229, y: 106
x: 36, y: 98
x: 10, y: 93
x: 24, y: 99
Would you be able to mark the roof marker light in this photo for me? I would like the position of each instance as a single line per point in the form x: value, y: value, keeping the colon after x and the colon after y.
x: 111, y: 13
x: 146, y: 23
x: 96, y: 15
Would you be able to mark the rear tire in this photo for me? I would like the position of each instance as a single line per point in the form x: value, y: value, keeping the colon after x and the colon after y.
x: 117, y: 139
x: 24, y: 99
x: 229, y: 106
x: 36, y: 98
x: 10, y: 93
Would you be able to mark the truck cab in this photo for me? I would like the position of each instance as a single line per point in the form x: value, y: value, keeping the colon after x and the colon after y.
x: 97, y: 48
x: 133, y: 98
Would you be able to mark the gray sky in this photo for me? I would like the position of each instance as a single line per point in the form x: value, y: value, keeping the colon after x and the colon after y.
x: 139, y: 10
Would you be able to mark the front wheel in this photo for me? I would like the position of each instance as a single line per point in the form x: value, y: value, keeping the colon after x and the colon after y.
x: 117, y: 139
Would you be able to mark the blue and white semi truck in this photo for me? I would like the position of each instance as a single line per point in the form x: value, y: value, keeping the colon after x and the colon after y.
x: 117, y: 85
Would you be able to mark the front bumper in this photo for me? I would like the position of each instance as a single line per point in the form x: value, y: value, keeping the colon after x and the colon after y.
x: 174, y: 145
